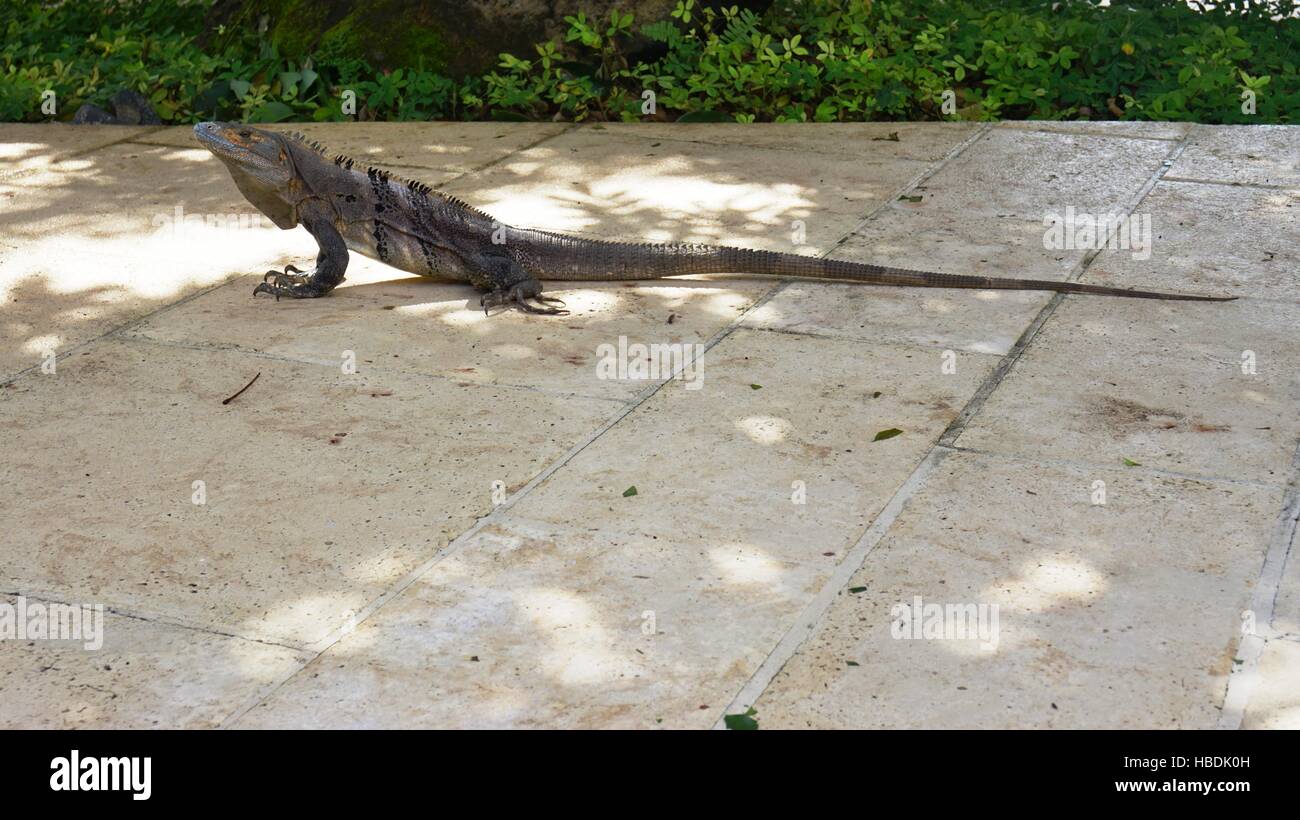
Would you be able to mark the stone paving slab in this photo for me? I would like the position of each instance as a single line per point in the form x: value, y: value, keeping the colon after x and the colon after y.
x: 1123, y: 615
x: 322, y: 488
x: 928, y: 237
x: 772, y: 409
x: 536, y: 626
x: 413, y: 325
x: 132, y: 228
x: 34, y: 146
x: 1276, y: 701
x: 1157, y: 383
x: 1029, y: 175
x: 872, y: 141
x: 1286, y: 607
x: 145, y: 676
x: 1260, y: 155
x: 590, y: 183
x: 941, y: 226
x: 1131, y: 130
x: 1212, y: 239
x: 719, y: 553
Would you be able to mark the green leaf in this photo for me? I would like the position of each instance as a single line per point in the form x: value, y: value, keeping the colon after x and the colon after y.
x: 756, y: 387
x: 630, y: 491
x: 886, y: 434
x: 1128, y: 462
x: 741, y: 723
x: 271, y: 112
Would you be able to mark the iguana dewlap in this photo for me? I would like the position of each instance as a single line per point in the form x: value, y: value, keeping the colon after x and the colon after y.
x: 419, y: 230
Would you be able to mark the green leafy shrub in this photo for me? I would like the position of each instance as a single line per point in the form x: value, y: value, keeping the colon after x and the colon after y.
x: 805, y: 60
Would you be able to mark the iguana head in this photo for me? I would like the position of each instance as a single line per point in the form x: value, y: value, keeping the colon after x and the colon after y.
x: 262, y: 165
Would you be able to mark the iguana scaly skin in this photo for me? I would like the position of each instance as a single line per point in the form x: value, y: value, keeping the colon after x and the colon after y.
x: 419, y: 230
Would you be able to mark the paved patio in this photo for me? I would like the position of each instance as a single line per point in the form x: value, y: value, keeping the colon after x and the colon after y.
x: 446, y: 537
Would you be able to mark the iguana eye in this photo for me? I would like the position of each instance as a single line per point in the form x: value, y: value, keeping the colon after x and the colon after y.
x: 245, y: 134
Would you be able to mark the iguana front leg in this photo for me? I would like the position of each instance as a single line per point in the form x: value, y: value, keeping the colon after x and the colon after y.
x: 331, y: 262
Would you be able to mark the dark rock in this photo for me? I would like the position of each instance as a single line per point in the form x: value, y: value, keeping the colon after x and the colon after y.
x: 130, y: 108
x: 133, y: 109
x: 92, y: 115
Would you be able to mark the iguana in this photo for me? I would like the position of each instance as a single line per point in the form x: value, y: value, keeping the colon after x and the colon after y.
x: 414, y: 228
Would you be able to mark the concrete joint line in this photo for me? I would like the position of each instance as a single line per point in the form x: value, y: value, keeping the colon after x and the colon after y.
x: 1228, y: 183
x: 478, y: 169
x: 498, y: 513
x: 1093, y: 466
x: 125, y: 326
x: 954, y: 152
x: 1063, y: 132
x: 152, y: 618
x: 1244, y: 678
x: 83, y: 152
x: 811, y: 615
x: 898, y: 343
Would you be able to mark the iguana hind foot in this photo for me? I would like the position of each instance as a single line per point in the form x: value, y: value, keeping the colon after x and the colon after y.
x: 518, y: 295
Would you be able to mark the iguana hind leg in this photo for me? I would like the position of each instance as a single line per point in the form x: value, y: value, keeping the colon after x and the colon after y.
x: 510, y: 285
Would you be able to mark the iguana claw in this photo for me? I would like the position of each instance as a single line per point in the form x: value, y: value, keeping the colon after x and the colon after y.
x: 288, y: 269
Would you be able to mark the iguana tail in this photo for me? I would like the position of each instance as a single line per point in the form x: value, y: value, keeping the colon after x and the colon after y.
x: 567, y: 258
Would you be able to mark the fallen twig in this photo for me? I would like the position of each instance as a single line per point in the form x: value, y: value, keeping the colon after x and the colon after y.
x: 242, y: 389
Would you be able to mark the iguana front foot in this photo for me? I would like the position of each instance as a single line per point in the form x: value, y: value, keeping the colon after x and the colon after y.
x: 518, y: 295
x: 291, y: 282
